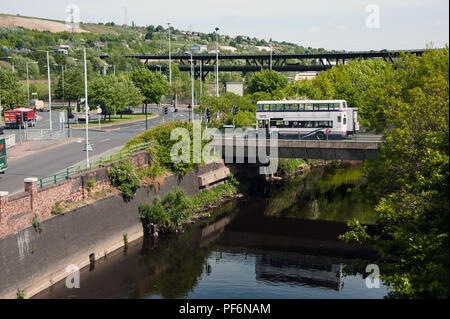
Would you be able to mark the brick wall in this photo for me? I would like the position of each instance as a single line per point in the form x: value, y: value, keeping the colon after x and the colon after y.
x: 18, y: 211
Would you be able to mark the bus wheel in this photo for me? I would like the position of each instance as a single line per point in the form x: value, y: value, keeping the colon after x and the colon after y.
x: 320, y: 135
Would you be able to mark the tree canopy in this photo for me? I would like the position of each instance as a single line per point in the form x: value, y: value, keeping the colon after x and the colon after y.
x: 267, y: 81
x: 12, y: 93
x: 113, y: 94
x: 409, y: 179
x: 73, y: 85
x: 152, y: 85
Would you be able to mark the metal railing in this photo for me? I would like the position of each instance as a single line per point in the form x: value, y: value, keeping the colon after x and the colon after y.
x: 53, y: 179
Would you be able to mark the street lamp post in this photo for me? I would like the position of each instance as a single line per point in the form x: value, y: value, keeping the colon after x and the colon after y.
x: 170, y: 58
x: 49, y: 94
x: 86, y: 108
x: 217, y: 62
x: 271, y: 52
x: 192, y: 84
x: 28, y: 85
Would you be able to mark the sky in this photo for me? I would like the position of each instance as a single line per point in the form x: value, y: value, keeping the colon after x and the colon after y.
x: 329, y: 24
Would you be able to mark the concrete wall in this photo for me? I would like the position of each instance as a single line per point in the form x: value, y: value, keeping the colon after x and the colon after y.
x: 34, y: 261
x: 18, y: 211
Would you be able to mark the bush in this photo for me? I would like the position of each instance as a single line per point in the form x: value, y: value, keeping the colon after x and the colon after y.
x: 290, y: 166
x: 162, y: 145
x: 179, y: 206
x: 20, y: 294
x: 37, y: 225
x: 154, y: 213
x: 90, y: 184
x: 124, y: 177
x: 152, y: 171
x: 58, y: 208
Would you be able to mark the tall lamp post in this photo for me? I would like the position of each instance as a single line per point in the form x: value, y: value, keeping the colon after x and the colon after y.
x: 49, y: 94
x: 170, y: 58
x: 192, y: 85
x: 271, y: 53
x: 28, y: 84
x: 86, y: 109
x: 217, y: 62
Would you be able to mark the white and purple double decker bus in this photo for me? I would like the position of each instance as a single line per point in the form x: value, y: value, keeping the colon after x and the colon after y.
x: 306, y: 119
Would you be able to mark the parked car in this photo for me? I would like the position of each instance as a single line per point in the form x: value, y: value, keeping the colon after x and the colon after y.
x: 127, y: 110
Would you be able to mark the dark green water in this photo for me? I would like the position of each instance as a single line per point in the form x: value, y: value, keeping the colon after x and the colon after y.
x: 281, y: 245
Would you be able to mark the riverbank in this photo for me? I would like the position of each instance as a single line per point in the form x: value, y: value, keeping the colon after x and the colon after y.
x: 36, y: 257
x: 247, y: 248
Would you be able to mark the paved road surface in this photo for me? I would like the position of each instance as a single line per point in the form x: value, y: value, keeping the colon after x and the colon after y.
x: 56, y: 159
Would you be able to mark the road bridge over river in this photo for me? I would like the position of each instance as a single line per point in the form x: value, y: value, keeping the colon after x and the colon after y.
x: 239, y: 148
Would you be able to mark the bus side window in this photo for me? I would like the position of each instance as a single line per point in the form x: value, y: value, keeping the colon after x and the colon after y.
x: 339, y: 119
x: 308, y: 107
x: 293, y: 107
x: 301, y: 107
x: 344, y: 121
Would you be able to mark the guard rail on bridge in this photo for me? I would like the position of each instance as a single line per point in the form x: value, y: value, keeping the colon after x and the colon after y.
x: 304, y: 149
x: 53, y: 179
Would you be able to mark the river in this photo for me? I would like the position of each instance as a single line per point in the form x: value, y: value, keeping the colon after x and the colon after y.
x: 280, y: 245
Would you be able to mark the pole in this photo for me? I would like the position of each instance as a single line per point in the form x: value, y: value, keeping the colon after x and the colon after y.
x: 86, y: 107
x: 28, y: 85
x: 146, y: 125
x: 170, y: 60
x: 217, y: 63
x: 192, y: 86
x: 201, y: 79
x: 271, y: 49
x: 62, y: 78
x: 49, y: 94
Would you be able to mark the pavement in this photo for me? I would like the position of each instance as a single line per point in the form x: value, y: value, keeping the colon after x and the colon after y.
x: 56, y: 158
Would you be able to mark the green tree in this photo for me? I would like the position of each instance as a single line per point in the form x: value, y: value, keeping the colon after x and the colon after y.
x: 267, y: 81
x: 409, y: 179
x: 12, y: 93
x: 152, y: 85
x: 113, y: 94
x: 73, y: 85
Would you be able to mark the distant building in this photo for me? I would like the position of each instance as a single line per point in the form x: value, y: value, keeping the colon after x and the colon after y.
x: 213, y: 51
x: 199, y: 48
x: 235, y: 87
x: 61, y: 51
x: 99, y: 44
x: 22, y: 50
x: 308, y: 75
x: 260, y: 48
x: 228, y: 48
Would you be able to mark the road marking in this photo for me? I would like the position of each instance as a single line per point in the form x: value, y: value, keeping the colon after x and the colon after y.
x: 105, y: 140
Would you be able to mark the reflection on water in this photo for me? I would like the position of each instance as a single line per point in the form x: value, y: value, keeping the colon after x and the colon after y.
x: 281, y: 246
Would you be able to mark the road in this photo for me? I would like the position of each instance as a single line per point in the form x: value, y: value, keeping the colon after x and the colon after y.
x: 46, y: 162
